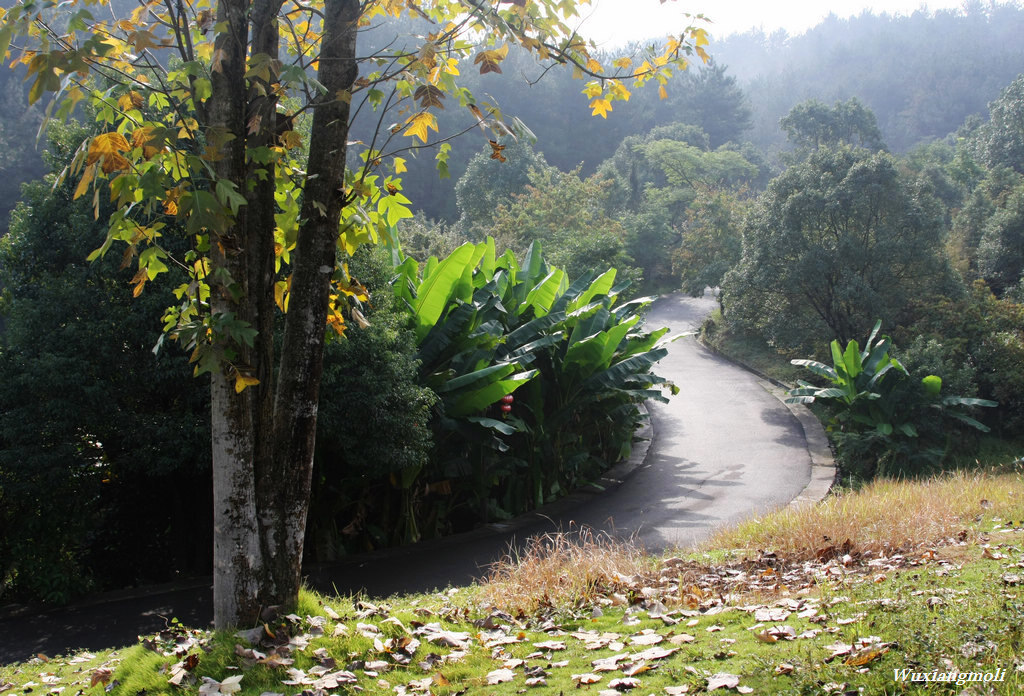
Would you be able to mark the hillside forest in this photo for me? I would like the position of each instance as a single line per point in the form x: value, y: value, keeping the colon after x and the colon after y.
x: 870, y: 170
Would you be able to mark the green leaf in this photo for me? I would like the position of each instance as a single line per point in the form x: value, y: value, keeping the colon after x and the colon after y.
x: 494, y: 424
x: 480, y: 399
x: 501, y: 370
x: 433, y: 293
x: 6, y: 32
x: 228, y: 194
x: 601, y: 286
x: 851, y: 360
x: 820, y: 369
x: 533, y: 264
x: 932, y: 384
x: 543, y: 295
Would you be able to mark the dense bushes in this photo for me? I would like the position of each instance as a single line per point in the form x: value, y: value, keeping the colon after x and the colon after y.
x: 882, y: 419
x: 104, y: 446
x: 373, y: 422
x: 575, y: 364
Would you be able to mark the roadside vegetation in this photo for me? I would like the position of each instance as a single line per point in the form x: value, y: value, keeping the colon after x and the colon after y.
x: 920, y: 576
x: 496, y: 354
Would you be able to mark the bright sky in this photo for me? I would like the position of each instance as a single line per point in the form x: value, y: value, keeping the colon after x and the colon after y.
x: 621, y: 21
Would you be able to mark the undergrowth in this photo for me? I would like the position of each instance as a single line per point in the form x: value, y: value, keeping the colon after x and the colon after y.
x: 845, y: 597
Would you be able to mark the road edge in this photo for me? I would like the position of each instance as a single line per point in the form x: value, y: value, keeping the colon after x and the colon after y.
x: 824, y: 471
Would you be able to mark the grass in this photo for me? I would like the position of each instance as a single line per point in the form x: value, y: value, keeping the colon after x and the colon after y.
x: 930, y: 581
x: 884, y: 516
x: 749, y: 349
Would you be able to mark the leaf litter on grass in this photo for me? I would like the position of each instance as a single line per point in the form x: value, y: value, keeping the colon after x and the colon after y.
x: 832, y: 618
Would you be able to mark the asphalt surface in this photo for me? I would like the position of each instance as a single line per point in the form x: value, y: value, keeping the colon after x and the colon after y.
x: 724, y: 449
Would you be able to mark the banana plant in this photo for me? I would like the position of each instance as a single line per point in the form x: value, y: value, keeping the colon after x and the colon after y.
x: 488, y: 326
x: 857, y: 381
x: 870, y: 390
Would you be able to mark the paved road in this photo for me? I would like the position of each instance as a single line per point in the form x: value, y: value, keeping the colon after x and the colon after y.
x: 724, y: 449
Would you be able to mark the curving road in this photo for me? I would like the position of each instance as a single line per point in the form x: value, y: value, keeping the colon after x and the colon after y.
x: 724, y: 449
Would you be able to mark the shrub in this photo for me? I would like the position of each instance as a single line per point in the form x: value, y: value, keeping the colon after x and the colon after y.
x: 883, y: 420
x: 373, y: 424
x: 488, y: 328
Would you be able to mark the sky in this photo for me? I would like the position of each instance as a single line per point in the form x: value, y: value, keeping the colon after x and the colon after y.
x: 616, y: 22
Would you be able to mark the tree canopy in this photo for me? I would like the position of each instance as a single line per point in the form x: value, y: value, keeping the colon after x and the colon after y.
x: 835, y: 243
x: 230, y: 121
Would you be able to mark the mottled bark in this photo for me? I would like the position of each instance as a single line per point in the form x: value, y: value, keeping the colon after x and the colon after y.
x: 263, y: 438
x: 301, y: 366
x: 237, y: 560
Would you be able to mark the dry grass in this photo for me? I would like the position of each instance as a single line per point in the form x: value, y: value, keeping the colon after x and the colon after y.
x: 883, y: 517
x: 563, y: 570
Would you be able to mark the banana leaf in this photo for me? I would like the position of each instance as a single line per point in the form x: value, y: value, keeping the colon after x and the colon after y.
x: 436, y: 289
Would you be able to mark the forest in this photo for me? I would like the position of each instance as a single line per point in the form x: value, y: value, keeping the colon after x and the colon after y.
x: 870, y: 170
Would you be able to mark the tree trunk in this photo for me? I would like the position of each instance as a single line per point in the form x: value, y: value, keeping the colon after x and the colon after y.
x: 263, y: 438
x: 285, y: 486
x: 237, y: 559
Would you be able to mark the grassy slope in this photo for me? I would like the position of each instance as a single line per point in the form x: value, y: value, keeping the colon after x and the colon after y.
x: 831, y: 599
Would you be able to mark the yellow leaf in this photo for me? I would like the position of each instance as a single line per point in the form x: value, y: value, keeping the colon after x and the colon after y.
x: 619, y: 91
x: 143, y: 137
x: 131, y: 100
x: 488, y: 60
x: 143, y: 40
x: 336, y: 322
x: 83, y: 185
x: 593, y: 89
x: 594, y: 66
x: 243, y: 381
x: 281, y: 294
x: 625, y: 63
x: 601, y: 107
x: 418, y: 125
x: 139, y: 281
x: 662, y: 94
x: 108, y: 148
x: 400, y: 165
x: 291, y: 139
x: 700, y: 37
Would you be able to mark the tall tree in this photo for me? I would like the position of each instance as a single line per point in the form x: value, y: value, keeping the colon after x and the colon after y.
x: 247, y: 151
x: 834, y: 244
x: 811, y: 125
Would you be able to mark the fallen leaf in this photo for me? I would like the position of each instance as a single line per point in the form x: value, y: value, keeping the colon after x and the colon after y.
x: 645, y: 638
x: 586, y: 678
x: 231, y: 685
x: 624, y: 683
x: 677, y: 690
x: 784, y: 668
x: 655, y: 653
x: 100, y: 676
x: 608, y: 664
x: 499, y: 676
x: 636, y: 668
x: 723, y: 681
x: 773, y: 615
x: 866, y: 656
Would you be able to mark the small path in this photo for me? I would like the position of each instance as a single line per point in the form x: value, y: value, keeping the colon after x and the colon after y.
x: 724, y: 449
